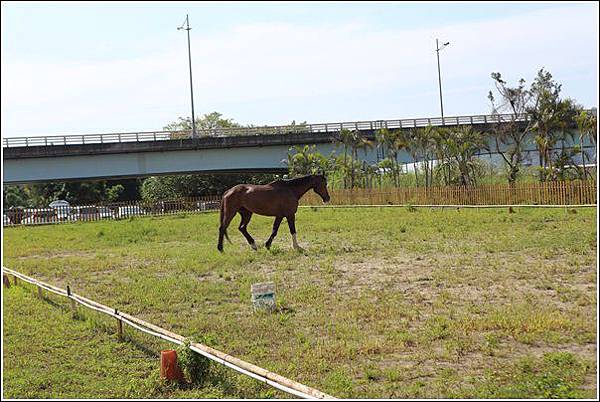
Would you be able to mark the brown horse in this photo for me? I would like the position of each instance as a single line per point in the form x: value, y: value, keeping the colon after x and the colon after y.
x: 279, y: 199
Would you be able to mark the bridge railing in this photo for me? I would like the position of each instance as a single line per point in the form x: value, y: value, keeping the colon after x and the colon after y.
x: 324, y: 128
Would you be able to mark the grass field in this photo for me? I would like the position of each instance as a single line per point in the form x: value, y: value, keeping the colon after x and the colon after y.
x: 384, y: 302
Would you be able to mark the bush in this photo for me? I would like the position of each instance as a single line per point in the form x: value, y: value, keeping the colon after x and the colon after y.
x: 194, y: 366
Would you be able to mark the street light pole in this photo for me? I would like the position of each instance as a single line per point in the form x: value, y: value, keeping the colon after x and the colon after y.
x: 437, y: 50
x: 187, y: 28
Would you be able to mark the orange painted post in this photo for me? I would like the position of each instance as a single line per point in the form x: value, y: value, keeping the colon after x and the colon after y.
x: 169, y: 369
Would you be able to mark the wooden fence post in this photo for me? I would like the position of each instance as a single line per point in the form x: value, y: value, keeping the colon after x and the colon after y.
x: 119, y: 327
x: 73, y: 304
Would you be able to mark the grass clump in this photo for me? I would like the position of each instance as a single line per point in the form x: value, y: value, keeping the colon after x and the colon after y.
x: 195, y: 367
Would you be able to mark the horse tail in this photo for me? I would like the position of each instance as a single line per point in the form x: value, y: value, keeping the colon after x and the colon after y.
x: 221, y: 216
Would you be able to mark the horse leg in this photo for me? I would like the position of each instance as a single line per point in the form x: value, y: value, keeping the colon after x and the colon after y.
x: 246, y: 216
x: 274, y: 232
x: 227, y: 214
x: 291, y: 220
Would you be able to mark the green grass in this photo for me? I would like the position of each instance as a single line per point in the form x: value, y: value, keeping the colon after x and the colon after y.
x: 383, y: 302
x: 51, y: 353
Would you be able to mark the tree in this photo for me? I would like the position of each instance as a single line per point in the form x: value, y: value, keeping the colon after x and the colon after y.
x: 306, y: 160
x: 510, y: 138
x: 76, y: 193
x: 344, y: 138
x: 550, y: 116
x: 423, y: 145
x: 161, y: 188
x: 208, y: 124
x: 394, y: 142
x: 356, y: 142
x: 587, y: 125
x: 456, y: 149
x: 14, y: 196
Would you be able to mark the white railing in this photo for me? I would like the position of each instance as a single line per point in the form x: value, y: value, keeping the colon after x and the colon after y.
x: 264, y: 130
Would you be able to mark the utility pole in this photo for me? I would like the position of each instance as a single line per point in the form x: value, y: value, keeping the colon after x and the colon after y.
x: 437, y: 50
x: 187, y: 28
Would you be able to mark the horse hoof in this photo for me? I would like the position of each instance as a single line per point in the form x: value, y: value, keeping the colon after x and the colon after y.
x: 253, y: 245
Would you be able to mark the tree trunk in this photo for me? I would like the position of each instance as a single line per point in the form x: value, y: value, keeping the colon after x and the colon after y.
x: 416, y: 174
x: 582, y: 157
x: 345, y: 165
x: 352, y: 170
x: 395, y: 169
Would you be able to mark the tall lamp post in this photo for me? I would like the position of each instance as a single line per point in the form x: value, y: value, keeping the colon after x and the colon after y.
x: 437, y: 50
x: 187, y: 28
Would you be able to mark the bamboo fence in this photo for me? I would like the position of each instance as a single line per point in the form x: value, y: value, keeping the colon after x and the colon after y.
x: 556, y: 193
x: 559, y: 193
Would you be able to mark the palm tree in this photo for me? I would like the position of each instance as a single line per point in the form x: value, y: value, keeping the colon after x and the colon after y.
x: 357, y: 141
x: 394, y: 141
x: 587, y: 125
x: 345, y: 138
x: 305, y: 160
x: 456, y: 149
x: 424, y: 145
x: 412, y: 144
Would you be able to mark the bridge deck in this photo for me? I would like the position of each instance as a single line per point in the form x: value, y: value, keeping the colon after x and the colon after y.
x: 320, y: 128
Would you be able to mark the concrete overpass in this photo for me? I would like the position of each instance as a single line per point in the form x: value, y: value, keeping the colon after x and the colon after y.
x: 247, y: 149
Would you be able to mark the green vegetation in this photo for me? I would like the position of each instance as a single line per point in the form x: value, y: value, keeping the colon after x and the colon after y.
x: 448, y: 155
x: 49, y: 353
x: 383, y: 303
x: 445, y: 155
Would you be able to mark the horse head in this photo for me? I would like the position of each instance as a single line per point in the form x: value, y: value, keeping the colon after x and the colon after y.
x: 320, y: 186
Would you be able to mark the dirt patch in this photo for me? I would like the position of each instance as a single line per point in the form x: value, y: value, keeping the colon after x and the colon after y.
x: 69, y: 254
x: 460, y: 277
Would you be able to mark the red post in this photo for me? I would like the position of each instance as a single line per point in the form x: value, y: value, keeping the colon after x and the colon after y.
x: 169, y: 369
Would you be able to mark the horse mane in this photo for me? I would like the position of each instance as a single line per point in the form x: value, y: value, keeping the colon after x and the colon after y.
x: 292, y: 182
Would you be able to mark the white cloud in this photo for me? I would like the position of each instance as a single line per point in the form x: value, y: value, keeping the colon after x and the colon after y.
x: 279, y: 62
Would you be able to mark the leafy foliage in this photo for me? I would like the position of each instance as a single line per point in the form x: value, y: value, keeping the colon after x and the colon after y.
x: 77, y: 193
x: 160, y: 188
x: 208, y: 124
x: 195, y: 367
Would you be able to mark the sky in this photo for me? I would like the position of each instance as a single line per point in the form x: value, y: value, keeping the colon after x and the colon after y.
x: 78, y: 68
